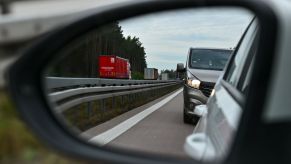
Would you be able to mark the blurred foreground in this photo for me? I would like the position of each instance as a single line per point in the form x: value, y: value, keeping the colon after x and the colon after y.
x: 18, y: 145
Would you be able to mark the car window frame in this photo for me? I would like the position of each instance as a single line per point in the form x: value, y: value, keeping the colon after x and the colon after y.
x: 248, y: 65
x: 238, y: 96
x: 228, y: 76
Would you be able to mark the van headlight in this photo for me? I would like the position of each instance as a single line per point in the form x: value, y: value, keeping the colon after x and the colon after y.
x: 194, y: 83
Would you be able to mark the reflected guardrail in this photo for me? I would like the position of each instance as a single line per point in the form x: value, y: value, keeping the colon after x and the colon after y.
x: 69, y: 92
x: 59, y: 82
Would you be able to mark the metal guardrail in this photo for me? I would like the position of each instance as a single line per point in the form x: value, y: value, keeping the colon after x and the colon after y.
x: 58, y: 82
x: 90, y: 89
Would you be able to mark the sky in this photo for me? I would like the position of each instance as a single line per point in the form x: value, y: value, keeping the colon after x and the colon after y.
x: 167, y: 36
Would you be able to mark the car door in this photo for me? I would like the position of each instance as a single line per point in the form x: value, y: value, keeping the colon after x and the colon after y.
x: 225, y: 106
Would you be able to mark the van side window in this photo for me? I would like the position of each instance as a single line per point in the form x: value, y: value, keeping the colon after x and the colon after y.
x: 237, y: 63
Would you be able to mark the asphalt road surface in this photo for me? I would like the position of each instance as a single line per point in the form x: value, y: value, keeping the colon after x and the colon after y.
x: 156, y: 128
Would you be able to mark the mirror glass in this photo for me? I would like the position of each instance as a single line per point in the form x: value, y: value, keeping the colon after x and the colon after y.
x: 118, y: 86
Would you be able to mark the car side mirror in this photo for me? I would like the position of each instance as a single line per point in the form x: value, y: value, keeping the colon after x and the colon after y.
x: 59, y: 86
x: 180, y: 67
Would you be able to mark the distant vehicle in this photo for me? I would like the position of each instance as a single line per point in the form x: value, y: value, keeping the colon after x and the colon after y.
x: 165, y: 76
x: 151, y: 74
x: 203, y: 67
x: 111, y: 66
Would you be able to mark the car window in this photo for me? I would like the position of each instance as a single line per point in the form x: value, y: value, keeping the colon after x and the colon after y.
x: 236, y: 65
x: 209, y: 59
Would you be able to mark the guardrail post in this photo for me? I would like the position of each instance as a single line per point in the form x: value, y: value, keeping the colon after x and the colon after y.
x: 113, y: 102
x: 122, y: 100
x: 89, y: 109
x: 102, y: 105
x: 130, y: 100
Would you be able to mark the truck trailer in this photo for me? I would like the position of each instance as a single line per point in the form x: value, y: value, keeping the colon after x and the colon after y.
x: 151, y: 74
x: 112, y: 66
x: 165, y: 76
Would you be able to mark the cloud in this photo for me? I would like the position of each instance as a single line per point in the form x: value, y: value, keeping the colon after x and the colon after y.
x: 167, y: 36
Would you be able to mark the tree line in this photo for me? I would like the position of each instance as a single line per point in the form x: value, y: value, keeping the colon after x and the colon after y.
x: 80, y: 57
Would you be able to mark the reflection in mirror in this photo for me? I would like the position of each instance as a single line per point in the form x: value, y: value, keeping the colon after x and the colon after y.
x: 118, y: 85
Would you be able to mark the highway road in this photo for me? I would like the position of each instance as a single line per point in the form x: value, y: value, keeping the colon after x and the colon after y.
x: 156, y: 127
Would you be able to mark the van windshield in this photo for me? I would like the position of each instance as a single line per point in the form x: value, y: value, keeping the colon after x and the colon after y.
x: 210, y: 59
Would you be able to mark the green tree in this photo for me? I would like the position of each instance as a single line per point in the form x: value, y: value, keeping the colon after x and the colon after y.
x: 80, y: 57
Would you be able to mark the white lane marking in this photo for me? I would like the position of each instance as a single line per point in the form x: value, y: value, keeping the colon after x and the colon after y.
x: 111, y: 134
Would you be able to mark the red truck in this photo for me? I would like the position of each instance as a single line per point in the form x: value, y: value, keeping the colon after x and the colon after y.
x: 112, y: 66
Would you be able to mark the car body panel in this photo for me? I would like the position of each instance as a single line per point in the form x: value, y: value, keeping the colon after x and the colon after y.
x: 216, y: 127
x: 222, y: 120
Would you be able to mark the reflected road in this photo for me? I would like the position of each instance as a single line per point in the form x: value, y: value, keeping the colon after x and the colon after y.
x: 162, y: 131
